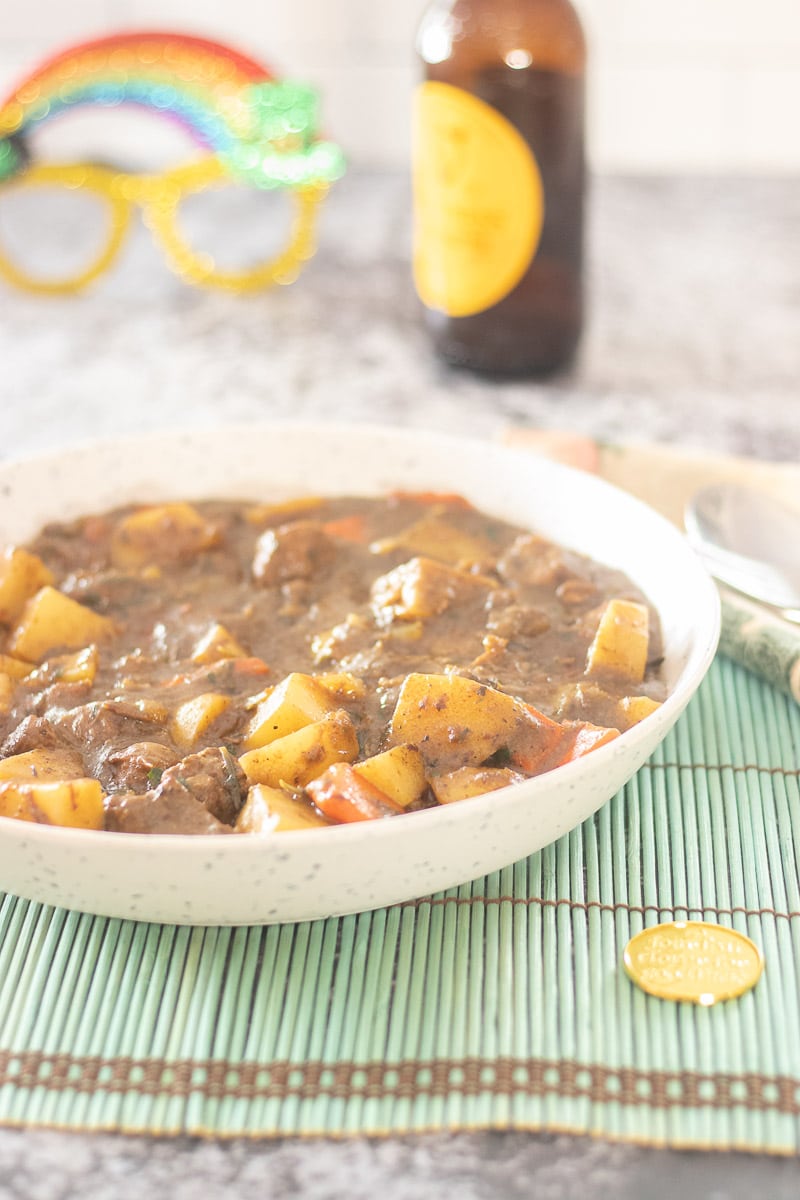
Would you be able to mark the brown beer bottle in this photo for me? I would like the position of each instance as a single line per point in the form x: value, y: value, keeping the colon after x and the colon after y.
x: 499, y: 182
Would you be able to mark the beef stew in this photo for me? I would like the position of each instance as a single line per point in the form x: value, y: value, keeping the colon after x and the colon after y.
x: 231, y: 667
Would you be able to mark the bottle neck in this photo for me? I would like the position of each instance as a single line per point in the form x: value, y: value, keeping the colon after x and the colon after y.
x: 542, y: 34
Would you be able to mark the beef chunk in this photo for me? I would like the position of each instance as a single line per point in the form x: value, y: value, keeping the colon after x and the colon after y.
x: 100, y: 729
x: 152, y: 812
x: 136, y: 768
x: 532, y: 561
x: 31, y: 734
x: 59, y: 696
x: 117, y: 590
x: 298, y: 550
x: 200, y: 794
x: 213, y: 778
x: 518, y: 621
x: 577, y: 593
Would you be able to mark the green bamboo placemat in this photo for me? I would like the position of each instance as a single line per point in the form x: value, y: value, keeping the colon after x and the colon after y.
x: 502, y: 1003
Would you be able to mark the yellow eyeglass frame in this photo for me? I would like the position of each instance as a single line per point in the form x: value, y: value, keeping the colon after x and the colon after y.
x: 159, y: 197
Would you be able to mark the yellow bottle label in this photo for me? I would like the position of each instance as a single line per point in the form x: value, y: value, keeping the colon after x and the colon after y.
x: 479, y: 201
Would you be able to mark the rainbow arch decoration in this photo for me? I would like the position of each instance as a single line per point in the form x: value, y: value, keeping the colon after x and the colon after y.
x: 263, y: 129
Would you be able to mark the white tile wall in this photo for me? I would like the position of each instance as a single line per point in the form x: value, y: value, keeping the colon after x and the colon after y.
x: 695, y: 85
x: 675, y: 85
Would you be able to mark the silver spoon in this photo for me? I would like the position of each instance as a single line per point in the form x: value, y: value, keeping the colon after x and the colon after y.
x: 749, y: 541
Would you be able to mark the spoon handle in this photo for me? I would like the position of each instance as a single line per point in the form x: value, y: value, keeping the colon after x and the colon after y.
x: 740, y: 598
x: 763, y: 640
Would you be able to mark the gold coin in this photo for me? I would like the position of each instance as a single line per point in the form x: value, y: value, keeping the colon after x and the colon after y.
x: 693, y: 960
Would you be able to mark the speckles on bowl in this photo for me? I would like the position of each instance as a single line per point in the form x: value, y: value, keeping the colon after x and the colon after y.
x: 188, y: 881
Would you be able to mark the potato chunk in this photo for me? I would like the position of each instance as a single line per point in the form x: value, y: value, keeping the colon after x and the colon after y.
x: 399, y: 772
x: 265, y: 514
x: 52, y: 621
x: 297, y: 701
x: 17, y: 668
x: 161, y: 533
x: 454, y: 721
x: 6, y: 692
x: 77, y: 802
x: 80, y: 667
x: 215, y: 644
x: 472, y: 781
x: 21, y: 576
x: 299, y: 757
x: 195, y: 716
x: 435, y: 537
x: 43, y: 763
x: 271, y: 810
x: 423, y: 588
x: 342, y: 685
x: 634, y: 709
x: 620, y: 644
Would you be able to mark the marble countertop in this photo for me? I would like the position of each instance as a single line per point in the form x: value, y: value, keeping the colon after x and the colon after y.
x: 692, y: 340
x: 692, y: 336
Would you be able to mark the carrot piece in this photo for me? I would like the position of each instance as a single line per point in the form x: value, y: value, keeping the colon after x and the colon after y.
x: 540, y: 718
x: 538, y: 743
x: 545, y: 743
x: 248, y: 666
x: 349, y: 529
x: 584, y: 737
x: 451, y: 499
x: 345, y: 796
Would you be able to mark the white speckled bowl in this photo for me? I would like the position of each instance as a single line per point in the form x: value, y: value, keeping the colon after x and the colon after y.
x: 319, y: 873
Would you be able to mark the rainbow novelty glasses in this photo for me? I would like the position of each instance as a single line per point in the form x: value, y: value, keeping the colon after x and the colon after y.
x: 261, y: 131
